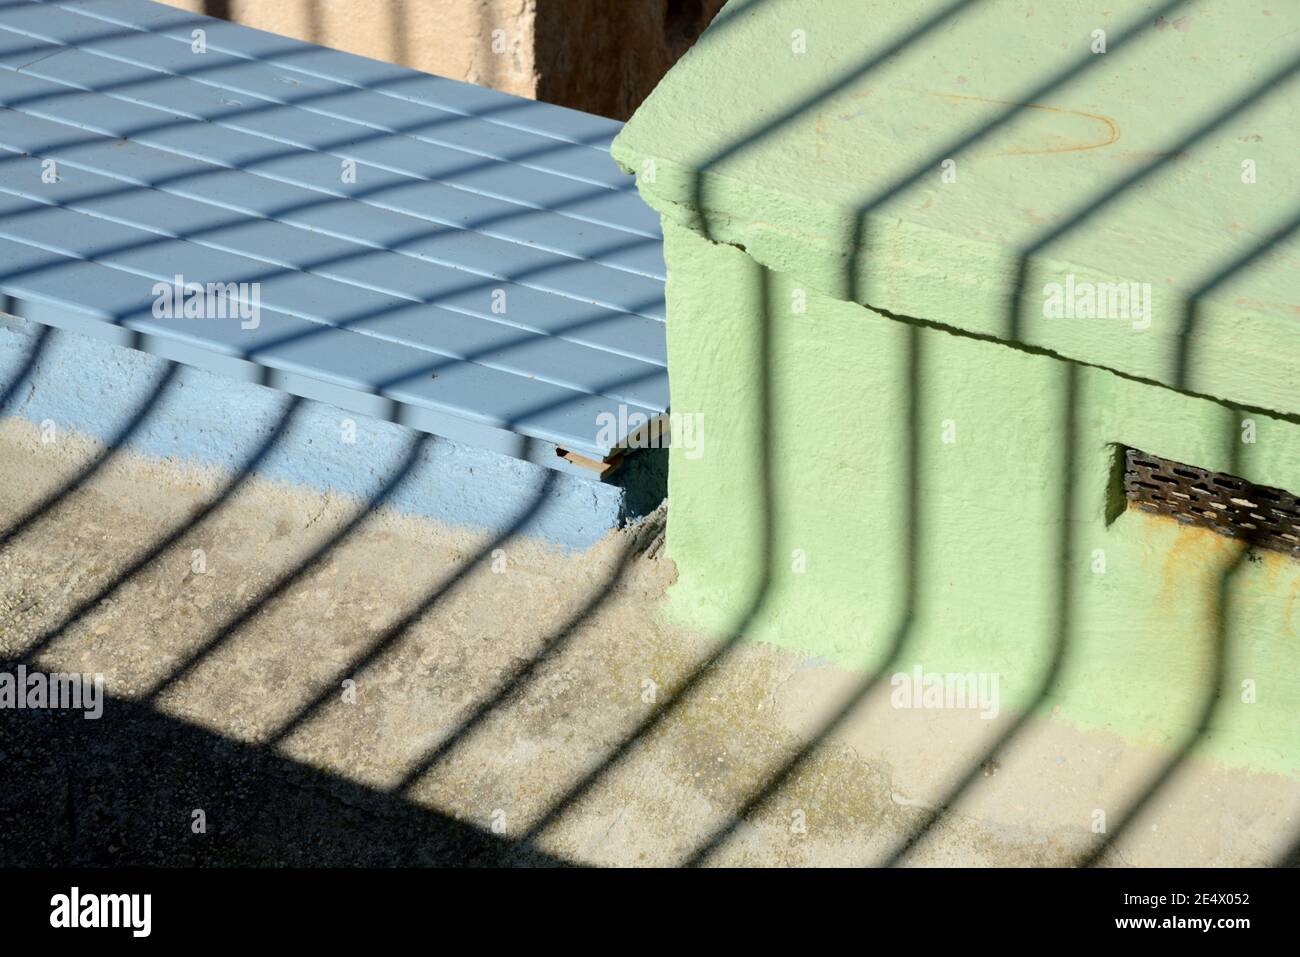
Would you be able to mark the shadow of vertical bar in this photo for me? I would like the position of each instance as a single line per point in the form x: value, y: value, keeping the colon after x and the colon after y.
x: 908, y: 549
x: 1183, y: 349
x: 1062, y: 626
x: 851, y: 278
x: 1223, y: 593
x: 766, y: 538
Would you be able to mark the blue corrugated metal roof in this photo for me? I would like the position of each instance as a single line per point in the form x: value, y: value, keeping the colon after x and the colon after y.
x: 488, y: 273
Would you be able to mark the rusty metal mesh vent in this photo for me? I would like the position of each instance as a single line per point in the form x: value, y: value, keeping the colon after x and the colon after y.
x: 1267, y: 517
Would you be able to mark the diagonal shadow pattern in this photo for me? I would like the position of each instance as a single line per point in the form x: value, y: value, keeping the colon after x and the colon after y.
x: 134, y: 422
x: 394, y: 633
x: 515, y: 681
x: 1069, y: 426
x: 1223, y: 594
x: 212, y: 507
x: 257, y: 604
x: 764, y: 455
x: 898, y: 640
x: 485, y: 282
x: 139, y: 564
x: 909, y: 551
x: 24, y: 372
x: 517, y: 678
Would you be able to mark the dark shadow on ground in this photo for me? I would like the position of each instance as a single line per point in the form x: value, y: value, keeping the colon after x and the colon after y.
x: 1291, y: 857
x: 122, y: 791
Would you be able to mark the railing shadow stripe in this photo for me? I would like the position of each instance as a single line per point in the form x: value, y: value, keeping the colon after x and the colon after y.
x: 909, y: 549
x: 48, y: 505
x: 239, y: 477
x: 258, y: 603
x: 393, y: 633
x: 26, y: 370
x: 518, y: 677
x: 1124, y: 39
x: 768, y: 531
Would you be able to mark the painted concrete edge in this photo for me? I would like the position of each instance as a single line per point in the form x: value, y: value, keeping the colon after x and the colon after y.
x: 127, y: 333
x: 138, y: 402
x: 968, y: 286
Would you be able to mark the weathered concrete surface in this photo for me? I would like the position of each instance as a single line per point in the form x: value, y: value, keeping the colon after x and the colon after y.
x: 947, y: 161
x: 586, y: 54
x: 432, y: 636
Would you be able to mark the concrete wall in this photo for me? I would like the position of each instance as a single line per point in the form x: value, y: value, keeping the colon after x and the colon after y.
x: 591, y: 55
x: 870, y: 539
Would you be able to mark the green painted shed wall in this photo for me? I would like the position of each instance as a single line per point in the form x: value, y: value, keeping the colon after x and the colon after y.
x: 825, y: 426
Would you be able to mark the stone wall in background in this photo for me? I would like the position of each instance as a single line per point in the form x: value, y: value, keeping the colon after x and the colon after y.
x: 605, y: 56
x: 602, y: 56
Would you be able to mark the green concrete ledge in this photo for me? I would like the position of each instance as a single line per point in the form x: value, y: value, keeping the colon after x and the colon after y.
x: 1119, y: 167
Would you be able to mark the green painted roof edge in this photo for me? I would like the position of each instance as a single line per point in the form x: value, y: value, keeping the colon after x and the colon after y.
x: 914, y: 272
x: 752, y: 146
